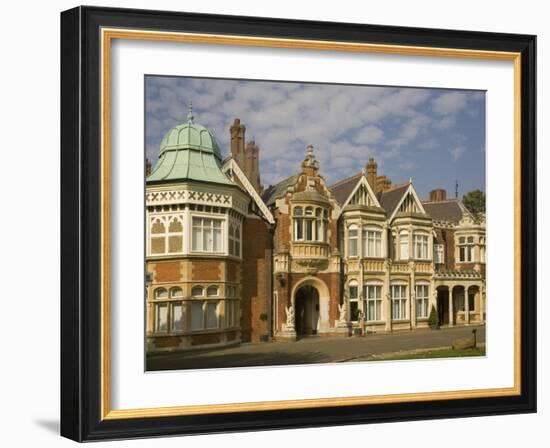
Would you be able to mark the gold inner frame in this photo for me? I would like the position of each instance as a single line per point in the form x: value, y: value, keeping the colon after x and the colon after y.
x: 107, y: 35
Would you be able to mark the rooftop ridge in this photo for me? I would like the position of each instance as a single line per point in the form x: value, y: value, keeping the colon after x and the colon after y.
x: 396, y: 186
x: 343, y: 181
x: 439, y: 202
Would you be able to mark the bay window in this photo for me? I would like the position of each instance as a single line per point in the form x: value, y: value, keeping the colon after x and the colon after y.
x: 420, y: 246
x: 404, y: 245
x: 207, y: 235
x: 310, y: 223
x: 372, y: 243
x: 353, y: 237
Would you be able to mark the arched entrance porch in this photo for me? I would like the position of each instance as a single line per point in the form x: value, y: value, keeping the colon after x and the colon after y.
x: 310, y: 299
x: 307, y: 310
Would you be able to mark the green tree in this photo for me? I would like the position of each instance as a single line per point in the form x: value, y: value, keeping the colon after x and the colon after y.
x: 474, y: 202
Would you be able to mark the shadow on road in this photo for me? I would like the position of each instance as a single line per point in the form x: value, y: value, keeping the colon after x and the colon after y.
x: 213, y: 361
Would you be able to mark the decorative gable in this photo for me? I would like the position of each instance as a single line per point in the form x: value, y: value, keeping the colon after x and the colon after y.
x: 409, y: 203
x: 362, y: 194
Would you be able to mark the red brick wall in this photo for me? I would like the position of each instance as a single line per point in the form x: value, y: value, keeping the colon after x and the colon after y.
x: 206, y: 270
x: 255, y: 284
x: 167, y: 272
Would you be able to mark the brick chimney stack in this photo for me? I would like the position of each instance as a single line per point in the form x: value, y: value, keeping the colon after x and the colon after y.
x: 251, y: 166
x: 237, y: 131
x: 438, y: 195
x: 372, y: 173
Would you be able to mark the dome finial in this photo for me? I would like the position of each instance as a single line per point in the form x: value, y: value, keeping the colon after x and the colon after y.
x: 190, y: 116
x: 310, y: 161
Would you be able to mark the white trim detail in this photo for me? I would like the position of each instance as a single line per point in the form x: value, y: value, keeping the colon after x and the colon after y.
x: 236, y: 169
x: 411, y: 190
x: 362, y: 181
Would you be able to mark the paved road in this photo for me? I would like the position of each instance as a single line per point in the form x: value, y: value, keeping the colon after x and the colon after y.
x: 309, y: 350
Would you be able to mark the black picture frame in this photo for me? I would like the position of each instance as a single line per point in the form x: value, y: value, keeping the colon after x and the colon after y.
x: 81, y: 210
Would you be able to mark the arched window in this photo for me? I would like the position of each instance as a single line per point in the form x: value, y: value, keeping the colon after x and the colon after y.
x: 353, y: 241
x: 175, y: 236
x: 212, y: 291
x: 197, y: 291
x: 161, y: 293
x: 177, y: 311
x: 158, y: 236
x: 176, y: 293
x: 404, y: 245
x: 166, y: 235
x: 161, y: 311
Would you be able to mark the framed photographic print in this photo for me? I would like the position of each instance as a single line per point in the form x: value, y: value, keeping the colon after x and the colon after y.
x: 273, y: 223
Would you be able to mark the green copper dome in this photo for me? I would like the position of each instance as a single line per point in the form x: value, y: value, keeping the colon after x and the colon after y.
x: 189, y: 151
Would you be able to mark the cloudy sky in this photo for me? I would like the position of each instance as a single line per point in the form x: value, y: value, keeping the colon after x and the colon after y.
x: 434, y: 136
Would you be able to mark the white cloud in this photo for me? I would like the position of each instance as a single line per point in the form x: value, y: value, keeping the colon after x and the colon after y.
x: 449, y: 103
x: 457, y: 152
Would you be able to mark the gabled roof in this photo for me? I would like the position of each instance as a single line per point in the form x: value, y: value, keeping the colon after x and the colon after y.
x: 362, y: 182
x: 390, y: 199
x: 274, y: 192
x: 449, y: 210
x: 342, y: 189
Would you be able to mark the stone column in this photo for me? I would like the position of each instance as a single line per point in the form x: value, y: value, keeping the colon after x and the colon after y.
x: 466, y: 305
x: 451, y: 310
x: 412, y: 295
x: 387, y: 296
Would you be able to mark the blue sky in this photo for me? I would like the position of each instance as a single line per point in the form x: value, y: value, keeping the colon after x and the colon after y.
x: 433, y: 136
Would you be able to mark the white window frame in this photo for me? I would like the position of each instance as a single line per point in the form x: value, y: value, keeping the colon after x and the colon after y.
x: 376, y: 299
x: 399, y: 301
x: 234, y: 233
x: 422, y: 293
x: 420, y: 246
x: 222, y: 238
x: 466, y: 252
x: 404, y: 252
x: 374, y: 235
x: 353, y: 228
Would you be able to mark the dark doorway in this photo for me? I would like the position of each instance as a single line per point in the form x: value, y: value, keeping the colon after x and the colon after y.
x: 443, y: 305
x: 307, y: 310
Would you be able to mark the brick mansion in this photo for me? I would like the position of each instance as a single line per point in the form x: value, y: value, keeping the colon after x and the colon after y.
x: 229, y: 260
